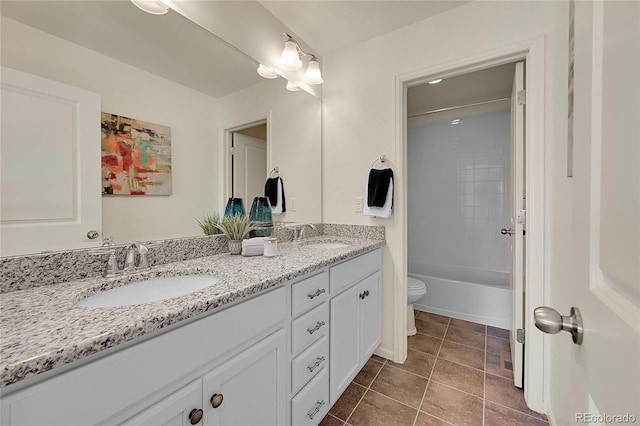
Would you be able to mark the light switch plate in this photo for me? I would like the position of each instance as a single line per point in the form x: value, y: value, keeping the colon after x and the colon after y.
x: 292, y: 204
x: 357, y: 204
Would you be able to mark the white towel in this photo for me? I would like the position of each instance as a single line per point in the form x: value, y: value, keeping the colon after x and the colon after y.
x: 253, y: 242
x: 384, y: 211
x: 252, y: 251
x: 277, y: 209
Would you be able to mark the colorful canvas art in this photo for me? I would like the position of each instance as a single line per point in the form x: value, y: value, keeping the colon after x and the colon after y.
x: 136, y: 157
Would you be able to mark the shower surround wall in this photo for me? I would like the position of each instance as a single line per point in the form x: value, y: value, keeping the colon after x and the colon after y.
x: 459, y: 195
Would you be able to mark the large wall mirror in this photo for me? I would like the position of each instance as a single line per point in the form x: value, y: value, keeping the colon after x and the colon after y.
x: 158, y: 69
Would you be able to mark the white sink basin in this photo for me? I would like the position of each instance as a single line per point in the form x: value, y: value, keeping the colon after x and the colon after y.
x: 326, y: 246
x: 148, y: 291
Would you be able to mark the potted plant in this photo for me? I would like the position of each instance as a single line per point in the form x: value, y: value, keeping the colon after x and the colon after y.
x: 209, y: 224
x: 236, y: 228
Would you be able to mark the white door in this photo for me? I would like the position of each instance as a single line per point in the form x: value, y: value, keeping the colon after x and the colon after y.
x: 50, y: 171
x: 517, y: 222
x: 602, y: 375
x: 370, y: 316
x: 343, y: 338
x: 249, y: 167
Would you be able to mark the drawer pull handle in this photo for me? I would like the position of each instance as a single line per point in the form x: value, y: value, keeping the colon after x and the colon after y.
x: 195, y: 416
x: 319, y: 324
x: 319, y: 361
x: 364, y: 294
x: 216, y: 400
x: 317, y: 293
x: 312, y: 413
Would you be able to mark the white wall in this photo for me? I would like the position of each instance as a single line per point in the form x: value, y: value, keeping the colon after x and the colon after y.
x: 458, y: 193
x: 359, y: 125
x: 293, y: 141
x: 129, y: 91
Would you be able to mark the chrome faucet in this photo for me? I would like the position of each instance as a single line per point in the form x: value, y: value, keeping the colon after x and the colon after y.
x: 136, y: 258
x: 300, y: 234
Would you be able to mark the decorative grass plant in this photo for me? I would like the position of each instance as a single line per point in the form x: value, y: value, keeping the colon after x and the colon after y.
x: 236, y: 227
x: 209, y: 224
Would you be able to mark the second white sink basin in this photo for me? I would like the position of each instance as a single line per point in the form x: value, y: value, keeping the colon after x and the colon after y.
x: 325, y: 246
x: 148, y: 291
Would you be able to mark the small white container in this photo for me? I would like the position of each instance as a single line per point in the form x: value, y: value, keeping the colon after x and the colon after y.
x: 270, y: 247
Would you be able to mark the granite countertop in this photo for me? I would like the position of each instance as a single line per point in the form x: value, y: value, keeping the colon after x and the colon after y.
x: 43, y: 328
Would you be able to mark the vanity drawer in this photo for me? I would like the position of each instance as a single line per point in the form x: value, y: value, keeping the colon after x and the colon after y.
x: 309, y: 328
x: 309, y: 363
x: 310, y: 406
x: 309, y: 293
x: 352, y: 271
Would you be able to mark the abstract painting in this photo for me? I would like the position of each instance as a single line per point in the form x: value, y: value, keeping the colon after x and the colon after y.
x: 136, y: 157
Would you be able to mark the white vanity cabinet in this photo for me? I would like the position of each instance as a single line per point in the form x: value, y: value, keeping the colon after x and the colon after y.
x: 356, y: 315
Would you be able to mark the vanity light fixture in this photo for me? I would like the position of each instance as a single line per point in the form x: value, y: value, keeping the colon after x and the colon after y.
x: 292, y: 87
x: 266, y: 72
x: 154, y: 7
x: 290, y: 60
x: 435, y: 81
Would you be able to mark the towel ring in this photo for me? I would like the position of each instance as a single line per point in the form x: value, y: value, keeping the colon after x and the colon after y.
x: 382, y: 159
x: 275, y: 170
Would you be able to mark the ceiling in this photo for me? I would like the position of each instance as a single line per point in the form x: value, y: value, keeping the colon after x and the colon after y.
x: 327, y: 25
x: 479, y: 86
x: 168, y: 45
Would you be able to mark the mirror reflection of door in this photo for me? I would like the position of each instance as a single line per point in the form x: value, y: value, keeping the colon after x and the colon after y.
x: 249, y: 163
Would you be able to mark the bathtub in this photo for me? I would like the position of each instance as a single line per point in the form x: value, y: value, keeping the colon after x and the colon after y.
x: 473, y: 295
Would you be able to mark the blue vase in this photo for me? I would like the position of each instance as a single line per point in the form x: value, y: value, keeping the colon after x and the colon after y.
x: 261, y: 214
x: 234, y: 207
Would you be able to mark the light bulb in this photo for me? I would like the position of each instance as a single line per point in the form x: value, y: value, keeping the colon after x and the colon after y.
x: 154, y: 7
x: 290, y: 59
x: 313, y: 74
x: 266, y: 72
x: 292, y: 87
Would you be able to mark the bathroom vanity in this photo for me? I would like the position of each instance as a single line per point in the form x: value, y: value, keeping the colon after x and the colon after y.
x: 274, y: 341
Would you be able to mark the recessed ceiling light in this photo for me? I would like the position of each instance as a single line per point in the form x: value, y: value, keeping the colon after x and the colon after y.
x: 435, y: 81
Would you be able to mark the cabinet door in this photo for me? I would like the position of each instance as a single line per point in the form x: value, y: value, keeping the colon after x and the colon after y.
x: 370, y: 312
x: 249, y: 389
x: 344, y: 354
x: 179, y: 409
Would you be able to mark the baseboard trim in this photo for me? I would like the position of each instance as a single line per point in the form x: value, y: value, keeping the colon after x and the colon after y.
x: 494, y: 322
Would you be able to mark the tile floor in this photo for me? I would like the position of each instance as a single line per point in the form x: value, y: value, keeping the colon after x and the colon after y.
x: 453, y: 375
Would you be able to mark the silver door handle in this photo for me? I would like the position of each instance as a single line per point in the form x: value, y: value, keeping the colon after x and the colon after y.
x: 505, y: 231
x: 548, y: 320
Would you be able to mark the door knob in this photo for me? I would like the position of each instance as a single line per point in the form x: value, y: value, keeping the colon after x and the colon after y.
x: 505, y: 231
x: 548, y: 320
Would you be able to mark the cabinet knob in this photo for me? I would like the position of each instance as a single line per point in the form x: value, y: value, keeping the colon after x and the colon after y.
x: 195, y: 416
x: 216, y: 400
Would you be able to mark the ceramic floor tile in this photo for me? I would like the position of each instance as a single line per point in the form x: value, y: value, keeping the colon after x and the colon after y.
x: 417, y: 362
x: 368, y: 373
x: 428, y: 316
x: 465, y: 337
x: 378, y: 358
x: 459, y: 376
x: 425, y: 419
x: 400, y: 385
x: 424, y: 343
x: 329, y: 420
x: 462, y: 354
x: 496, y: 345
x: 495, y: 415
x: 432, y: 328
x: 378, y: 410
x: 498, y: 332
x: 347, y: 401
x: 478, y: 328
x: 452, y: 405
x: 502, y: 391
x: 495, y: 365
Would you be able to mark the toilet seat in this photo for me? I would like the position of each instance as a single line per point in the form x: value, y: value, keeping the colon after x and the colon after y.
x: 414, y: 285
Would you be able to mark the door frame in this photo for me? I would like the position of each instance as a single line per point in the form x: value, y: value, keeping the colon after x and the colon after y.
x: 536, y: 262
x: 227, y: 131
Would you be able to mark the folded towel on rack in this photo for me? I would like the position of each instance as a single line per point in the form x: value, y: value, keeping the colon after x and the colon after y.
x: 378, y: 187
x: 274, y: 191
x: 386, y: 210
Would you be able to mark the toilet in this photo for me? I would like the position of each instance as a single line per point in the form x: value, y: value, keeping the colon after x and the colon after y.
x: 415, y: 290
